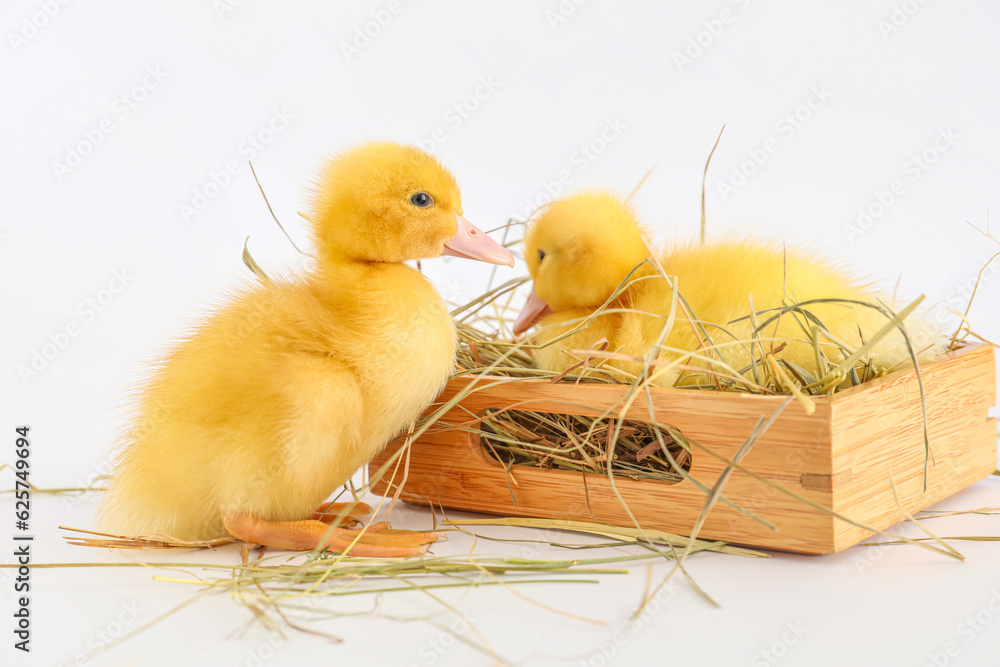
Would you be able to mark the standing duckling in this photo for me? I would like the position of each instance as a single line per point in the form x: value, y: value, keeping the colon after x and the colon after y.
x: 281, y: 396
x: 582, y: 247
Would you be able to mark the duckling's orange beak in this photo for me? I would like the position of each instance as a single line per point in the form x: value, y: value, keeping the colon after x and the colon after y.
x: 534, y: 309
x: 472, y: 243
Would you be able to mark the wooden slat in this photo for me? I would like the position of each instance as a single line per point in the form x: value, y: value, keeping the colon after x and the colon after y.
x: 879, y: 433
x: 835, y: 457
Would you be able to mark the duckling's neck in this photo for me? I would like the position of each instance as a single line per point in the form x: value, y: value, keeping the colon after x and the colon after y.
x: 641, y: 280
x: 350, y: 279
x: 400, y: 328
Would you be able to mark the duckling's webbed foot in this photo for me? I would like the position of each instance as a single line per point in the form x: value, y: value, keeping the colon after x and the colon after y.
x: 349, y: 513
x: 379, y: 541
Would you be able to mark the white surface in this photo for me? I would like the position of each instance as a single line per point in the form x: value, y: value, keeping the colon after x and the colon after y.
x: 545, y: 87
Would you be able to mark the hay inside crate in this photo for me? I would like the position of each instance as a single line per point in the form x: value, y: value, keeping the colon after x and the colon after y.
x: 841, y: 457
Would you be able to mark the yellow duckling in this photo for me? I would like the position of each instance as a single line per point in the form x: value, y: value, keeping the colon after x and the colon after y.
x: 281, y: 396
x: 581, y: 249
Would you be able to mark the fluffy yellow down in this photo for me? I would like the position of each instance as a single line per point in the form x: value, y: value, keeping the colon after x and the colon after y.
x: 277, y: 399
x: 582, y: 247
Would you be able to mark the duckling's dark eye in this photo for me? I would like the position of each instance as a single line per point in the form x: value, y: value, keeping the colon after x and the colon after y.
x: 541, y: 255
x: 421, y: 200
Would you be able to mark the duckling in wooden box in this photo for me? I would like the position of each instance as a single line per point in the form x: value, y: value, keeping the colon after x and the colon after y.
x: 831, y: 468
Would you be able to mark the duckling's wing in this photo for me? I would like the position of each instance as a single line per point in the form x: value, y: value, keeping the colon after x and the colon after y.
x: 558, y: 356
x: 319, y: 443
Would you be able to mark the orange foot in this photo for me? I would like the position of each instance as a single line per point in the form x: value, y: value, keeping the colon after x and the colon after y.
x: 352, y: 513
x: 379, y: 541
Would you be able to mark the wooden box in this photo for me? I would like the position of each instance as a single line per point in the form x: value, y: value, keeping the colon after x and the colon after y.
x: 840, y: 457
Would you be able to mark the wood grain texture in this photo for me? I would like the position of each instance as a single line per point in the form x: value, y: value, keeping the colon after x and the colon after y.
x: 879, y: 437
x: 840, y: 457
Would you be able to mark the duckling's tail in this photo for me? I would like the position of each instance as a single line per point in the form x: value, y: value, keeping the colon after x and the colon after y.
x: 117, y: 513
x: 132, y: 505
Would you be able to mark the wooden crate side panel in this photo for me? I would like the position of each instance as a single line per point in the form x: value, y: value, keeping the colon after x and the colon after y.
x: 446, y: 474
x: 450, y: 468
x: 880, y: 431
x: 795, y: 442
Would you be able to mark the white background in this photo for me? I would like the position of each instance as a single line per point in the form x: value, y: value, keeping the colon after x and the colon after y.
x: 839, y: 99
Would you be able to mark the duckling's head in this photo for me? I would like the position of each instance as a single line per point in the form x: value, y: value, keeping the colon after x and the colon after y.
x: 388, y: 202
x: 578, y: 252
